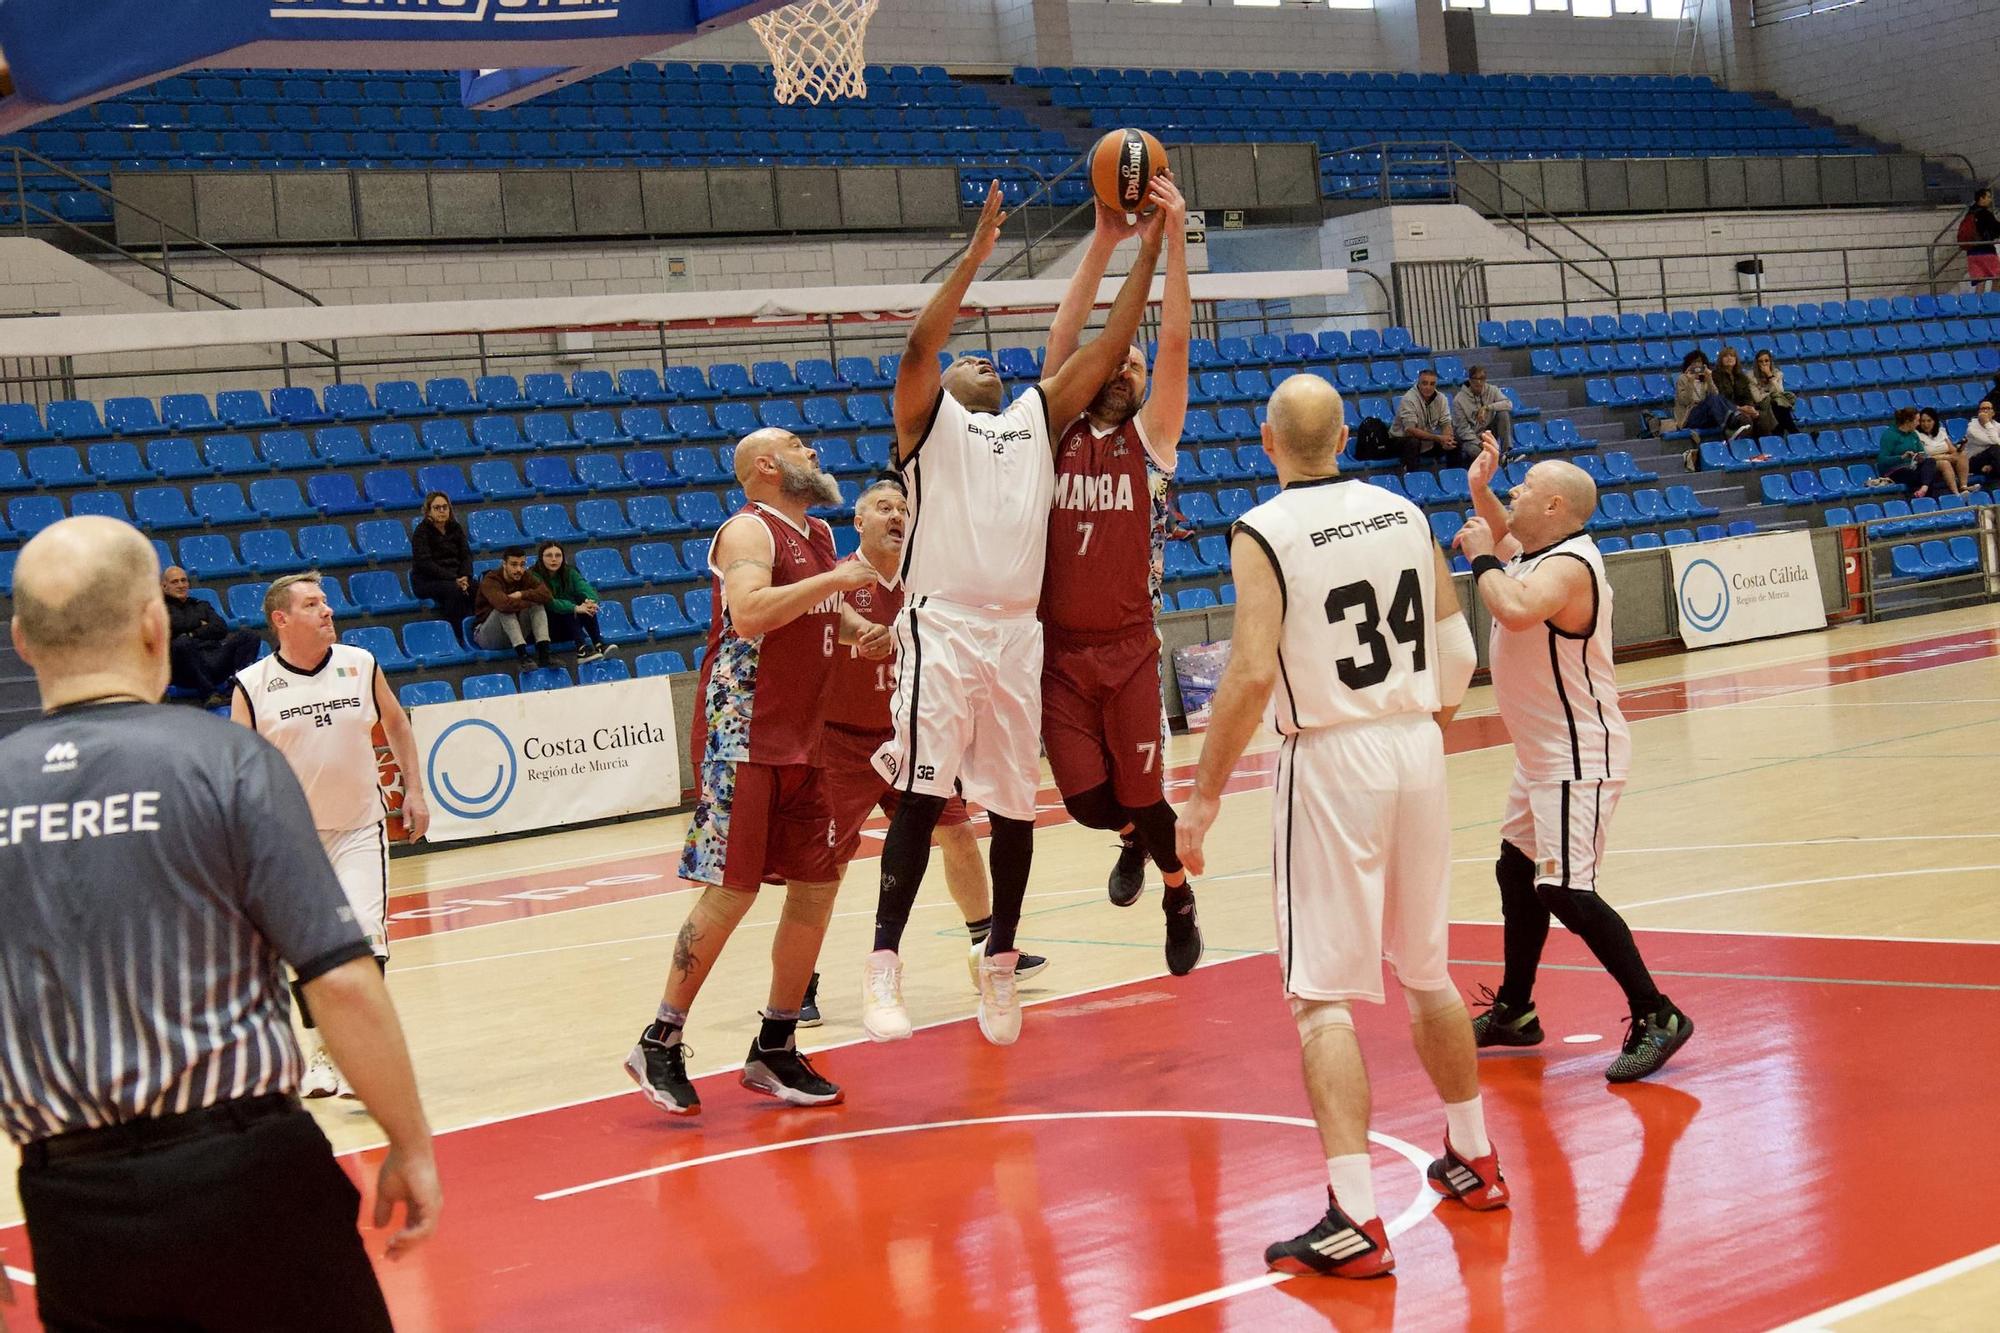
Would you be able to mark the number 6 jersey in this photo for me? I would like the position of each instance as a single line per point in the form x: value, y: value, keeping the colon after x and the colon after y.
x: 1357, y: 566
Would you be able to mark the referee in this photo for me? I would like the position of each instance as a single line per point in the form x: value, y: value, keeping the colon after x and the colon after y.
x: 156, y: 879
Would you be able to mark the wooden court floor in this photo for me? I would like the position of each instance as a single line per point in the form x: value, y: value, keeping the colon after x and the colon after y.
x: 1807, y: 814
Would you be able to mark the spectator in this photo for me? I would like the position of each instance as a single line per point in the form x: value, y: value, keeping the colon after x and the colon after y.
x: 1993, y: 395
x: 1977, y: 231
x: 204, y: 651
x: 1732, y: 381
x: 1982, y: 445
x: 572, y: 603
x: 513, y: 608
x: 1900, y: 456
x: 441, y: 562
x: 1423, y: 425
x: 1940, y: 450
x: 1478, y: 407
x: 1773, y: 400
x: 1699, y: 407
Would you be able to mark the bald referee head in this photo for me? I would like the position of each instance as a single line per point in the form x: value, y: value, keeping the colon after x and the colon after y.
x: 87, y: 612
x: 1305, y: 428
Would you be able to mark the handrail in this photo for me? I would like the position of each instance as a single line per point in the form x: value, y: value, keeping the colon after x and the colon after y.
x: 1044, y: 186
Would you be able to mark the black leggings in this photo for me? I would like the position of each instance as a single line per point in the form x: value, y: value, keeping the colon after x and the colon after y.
x: 1921, y: 474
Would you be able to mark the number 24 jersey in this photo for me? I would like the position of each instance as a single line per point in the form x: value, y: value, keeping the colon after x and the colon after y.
x: 1358, y: 567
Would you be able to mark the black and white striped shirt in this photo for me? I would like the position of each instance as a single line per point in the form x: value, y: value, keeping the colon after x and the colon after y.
x: 158, y: 869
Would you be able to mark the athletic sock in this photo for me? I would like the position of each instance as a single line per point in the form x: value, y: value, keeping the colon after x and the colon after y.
x: 1465, y: 1126
x: 1527, y: 925
x: 667, y: 1024
x: 1010, y: 853
x: 980, y: 929
x: 1609, y: 939
x: 779, y: 1028
x: 906, y: 854
x: 1353, y: 1185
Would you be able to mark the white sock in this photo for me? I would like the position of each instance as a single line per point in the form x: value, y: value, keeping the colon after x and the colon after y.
x: 1465, y: 1122
x: 1353, y: 1185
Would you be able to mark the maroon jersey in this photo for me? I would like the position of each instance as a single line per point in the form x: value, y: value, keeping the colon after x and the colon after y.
x: 1107, y: 532
x: 857, y: 695
x: 761, y: 698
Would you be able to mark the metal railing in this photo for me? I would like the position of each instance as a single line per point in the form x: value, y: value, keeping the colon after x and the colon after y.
x: 1867, y: 551
x: 1042, y: 195
x: 1946, y: 252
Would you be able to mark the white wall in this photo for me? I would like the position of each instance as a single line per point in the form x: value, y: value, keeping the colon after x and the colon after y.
x: 1922, y: 73
x: 1560, y: 44
x: 903, y: 32
x: 1202, y: 36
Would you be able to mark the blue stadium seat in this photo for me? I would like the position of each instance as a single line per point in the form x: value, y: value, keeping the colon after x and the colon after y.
x: 551, y: 475
x: 492, y: 685
x: 160, y: 509
x: 496, y: 435
x: 496, y: 480
x: 269, y: 551
x: 549, y: 522
x: 118, y: 463
x: 549, y: 389
x: 380, y: 641
x: 665, y: 662
x: 449, y: 439
x: 328, y: 546
x: 277, y: 499
x: 537, y: 679
x: 57, y: 465
x: 349, y: 402
x: 243, y: 408
x: 75, y: 420
x: 449, y: 393
x: 643, y: 386
x: 603, y: 567
x: 494, y: 530
x: 597, y: 387
x: 383, y: 541
x: 401, y: 398
x: 660, y: 615
x: 209, y: 556
x: 132, y: 416
x: 298, y: 406
x: 499, y: 393
x: 379, y: 592
x: 419, y: 693
x: 221, y: 502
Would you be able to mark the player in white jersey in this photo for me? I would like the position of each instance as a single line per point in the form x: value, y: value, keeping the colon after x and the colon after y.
x: 1550, y: 655
x: 1349, y: 633
x: 968, y: 702
x: 318, y: 701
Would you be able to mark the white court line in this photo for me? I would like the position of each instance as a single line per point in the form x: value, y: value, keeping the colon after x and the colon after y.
x: 1830, y: 840
x: 22, y: 1276
x: 1802, y: 883
x: 1825, y: 1319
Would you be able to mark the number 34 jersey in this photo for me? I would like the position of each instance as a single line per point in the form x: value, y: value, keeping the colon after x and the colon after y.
x: 1358, y: 567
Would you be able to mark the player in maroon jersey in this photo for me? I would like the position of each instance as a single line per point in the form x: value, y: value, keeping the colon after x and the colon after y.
x: 761, y: 816
x: 1102, y: 721
x: 857, y: 725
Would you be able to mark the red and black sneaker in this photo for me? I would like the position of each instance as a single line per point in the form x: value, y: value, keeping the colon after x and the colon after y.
x: 1337, y: 1247
x: 1477, y: 1184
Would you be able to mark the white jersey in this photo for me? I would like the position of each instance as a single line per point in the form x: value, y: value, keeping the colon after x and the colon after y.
x: 1358, y: 567
x: 980, y: 487
x: 1555, y: 690
x: 323, y: 721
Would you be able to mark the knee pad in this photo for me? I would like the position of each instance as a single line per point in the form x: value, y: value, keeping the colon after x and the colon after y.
x: 1429, y: 1003
x: 1316, y: 1016
x: 1096, y: 808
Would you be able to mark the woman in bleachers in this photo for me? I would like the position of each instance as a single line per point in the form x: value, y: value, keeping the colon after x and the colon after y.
x: 1900, y: 456
x: 1773, y: 399
x: 1982, y: 445
x: 441, y: 561
x: 572, y: 603
x: 1698, y: 407
x: 1950, y: 459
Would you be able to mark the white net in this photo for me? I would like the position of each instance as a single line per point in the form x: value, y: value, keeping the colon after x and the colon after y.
x: 816, y: 48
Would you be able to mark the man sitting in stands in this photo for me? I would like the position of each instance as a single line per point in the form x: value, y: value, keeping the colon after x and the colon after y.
x: 1478, y: 407
x: 204, y: 651
x: 1423, y: 426
x: 513, y: 608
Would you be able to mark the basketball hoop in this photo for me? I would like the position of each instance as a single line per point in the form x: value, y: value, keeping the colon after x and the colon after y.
x: 816, y: 48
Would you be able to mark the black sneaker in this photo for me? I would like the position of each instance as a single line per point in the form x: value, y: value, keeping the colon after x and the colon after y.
x: 1503, y: 1024
x: 1183, y: 938
x: 1128, y: 877
x: 785, y: 1074
x: 1337, y: 1247
x: 1650, y: 1040
x: 660, y: 1070
x: 1031, y: 964
x: 809, y: 1007
x: 542, y: 653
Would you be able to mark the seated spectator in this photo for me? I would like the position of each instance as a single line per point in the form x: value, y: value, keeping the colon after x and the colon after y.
x: 441, y: 562
x: 1773, y: 400
x: 513, y: 608
x: 1900, y: 456
x: 1699, y: 407
x: 1977, y: 231
x: 1478, y: 407
x: 1941, y: 451
x: 1982, y: 445
x: 572, y: 603
x: 1423, y: 426
x: 203, y: 652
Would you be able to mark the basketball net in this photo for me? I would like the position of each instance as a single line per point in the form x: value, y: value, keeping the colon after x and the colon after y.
x: 816, y: 48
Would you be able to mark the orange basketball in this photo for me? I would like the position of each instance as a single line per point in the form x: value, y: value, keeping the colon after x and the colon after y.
x: 1122, y: 167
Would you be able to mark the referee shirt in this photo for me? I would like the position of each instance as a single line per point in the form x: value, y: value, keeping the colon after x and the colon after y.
x: 158, y: 870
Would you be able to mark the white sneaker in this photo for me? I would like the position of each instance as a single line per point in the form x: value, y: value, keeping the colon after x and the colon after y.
x: 883, y: 1016
x: 972, y: 963
x: 999, y: 1004
x: 321, y: 1078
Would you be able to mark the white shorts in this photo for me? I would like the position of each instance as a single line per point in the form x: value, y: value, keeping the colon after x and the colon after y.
x: 1562, y: 826
x: 1361, y: 853
x: 967, y: 707
x: 360, y: 859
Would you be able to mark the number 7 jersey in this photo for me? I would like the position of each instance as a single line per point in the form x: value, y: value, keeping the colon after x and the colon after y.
x: 1358, y: 568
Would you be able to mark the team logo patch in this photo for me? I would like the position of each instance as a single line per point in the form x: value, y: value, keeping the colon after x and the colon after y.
x: 863, y: 599
x: 60, y: 758
x: 347, y: 671
x: 275, y: 684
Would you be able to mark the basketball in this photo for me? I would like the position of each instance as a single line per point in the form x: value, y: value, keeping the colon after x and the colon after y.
x: 1122, y: 167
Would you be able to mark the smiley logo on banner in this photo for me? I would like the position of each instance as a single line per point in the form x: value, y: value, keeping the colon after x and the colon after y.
x: 471, y: 769
x: 1704, y: 595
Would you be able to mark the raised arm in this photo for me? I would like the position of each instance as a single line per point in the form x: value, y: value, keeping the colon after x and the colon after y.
x: 403, y: 745
x: 1166, y: 405
x: 917, y: 377
x: 743, y: 553
x: 1081, y: 295
x: 1555, y: 586
x: 1069, y: 390
x: 1479, y: 478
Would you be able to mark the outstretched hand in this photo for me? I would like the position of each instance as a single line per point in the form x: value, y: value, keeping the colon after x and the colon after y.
x: 986, y: 234
x: 1480, y: 475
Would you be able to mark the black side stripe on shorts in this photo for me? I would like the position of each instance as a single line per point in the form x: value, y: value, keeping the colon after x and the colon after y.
x: 1562, y: 696
x: 1562, y: 822
x: 1291, y: 782
x: 382, y: 856
x: 909, y: 774
x: 1596, y: 829
x: 914, y: 484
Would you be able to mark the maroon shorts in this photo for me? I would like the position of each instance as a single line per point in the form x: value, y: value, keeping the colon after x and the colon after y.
x: 855, y: 790
x: 759, y: 824
x: 1982, y: 268
x: 1102, y: 720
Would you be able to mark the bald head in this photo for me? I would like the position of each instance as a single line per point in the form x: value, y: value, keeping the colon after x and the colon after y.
x: 1572, y: 485
x: 1306, y: 425
x: 1554, y: 500
x: 86, y: 599
x: 759, y: 444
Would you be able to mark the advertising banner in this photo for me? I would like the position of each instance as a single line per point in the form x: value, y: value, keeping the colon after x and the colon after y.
x: 1746, y: 588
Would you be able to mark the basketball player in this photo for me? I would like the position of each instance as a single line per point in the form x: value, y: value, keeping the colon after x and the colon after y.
x: 318, y: 700
x: 1102, y: 721
x: 1550, y: 655
x: 1345, y: 604
x: 967, y: 704
x: 762, y: 816
x: 857, y: 725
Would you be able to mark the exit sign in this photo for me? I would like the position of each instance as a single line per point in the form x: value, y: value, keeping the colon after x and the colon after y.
x: 1358, y: 255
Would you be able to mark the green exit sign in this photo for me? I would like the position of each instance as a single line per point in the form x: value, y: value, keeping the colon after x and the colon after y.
x: 1358, y: 255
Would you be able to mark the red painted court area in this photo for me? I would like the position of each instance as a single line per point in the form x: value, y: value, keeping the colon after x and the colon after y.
x: 1141, y: 1145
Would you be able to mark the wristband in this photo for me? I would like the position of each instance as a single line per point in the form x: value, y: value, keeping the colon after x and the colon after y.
x: 1486, y: 562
